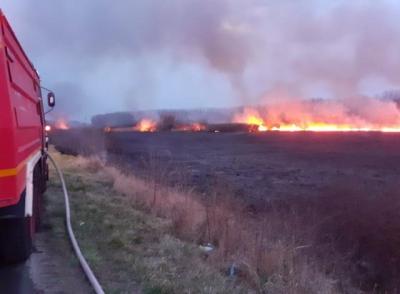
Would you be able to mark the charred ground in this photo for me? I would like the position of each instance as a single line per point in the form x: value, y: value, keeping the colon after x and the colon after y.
x: 256, y: 166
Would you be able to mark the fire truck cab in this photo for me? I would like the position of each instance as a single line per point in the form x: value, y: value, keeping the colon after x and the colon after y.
x: 23, y: 167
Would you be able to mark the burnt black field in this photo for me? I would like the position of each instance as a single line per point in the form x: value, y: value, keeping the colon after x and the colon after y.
x: 251, y: 166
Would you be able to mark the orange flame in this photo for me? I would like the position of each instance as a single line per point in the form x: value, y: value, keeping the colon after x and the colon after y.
x: 297, y: 117
x: 198, y: 127
x: 146, y: 125
x: 61, y: 124
x: 251, y: 117
x: 194, y: 127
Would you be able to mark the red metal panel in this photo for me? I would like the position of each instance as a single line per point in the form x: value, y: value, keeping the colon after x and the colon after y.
x: 8, y: 185
x: 12, y: 41
x: 21, y: 78
x: 21, y: 122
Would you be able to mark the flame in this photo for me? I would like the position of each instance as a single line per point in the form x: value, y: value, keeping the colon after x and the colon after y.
x: 320, y: 127
x: 251, y: 117
x: 329, y: 117
x: 325, y: 127
x: 149, y: 125
x: 254, y: 120
x: 194, y: 127
x: 61, y: 124
x: 262, y: 128
x: 198, y: 127
x: 146, y: 125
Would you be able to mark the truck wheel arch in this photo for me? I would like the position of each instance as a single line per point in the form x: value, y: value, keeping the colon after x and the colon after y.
x: 30, y: 168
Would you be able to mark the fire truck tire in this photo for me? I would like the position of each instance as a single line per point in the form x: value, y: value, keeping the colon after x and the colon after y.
x: 16, y: 239
x: 37, y: 196
x: 16, y: 234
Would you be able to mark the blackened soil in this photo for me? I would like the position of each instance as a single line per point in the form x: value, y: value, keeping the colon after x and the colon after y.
x: 251, y: 166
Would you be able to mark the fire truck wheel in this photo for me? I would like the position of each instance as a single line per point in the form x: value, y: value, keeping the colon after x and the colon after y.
x: 16, y: 239
x: 37, y: 197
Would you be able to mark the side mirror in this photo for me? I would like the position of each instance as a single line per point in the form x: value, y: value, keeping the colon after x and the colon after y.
x: 51, y: 99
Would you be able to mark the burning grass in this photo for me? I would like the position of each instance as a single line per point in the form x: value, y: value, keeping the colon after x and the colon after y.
x: 345, y: 241
x: 361, y: 114
x: 164, y: 123
x: 358, y: 114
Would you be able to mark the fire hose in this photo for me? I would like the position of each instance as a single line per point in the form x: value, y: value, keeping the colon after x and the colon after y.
x: 85, y: 266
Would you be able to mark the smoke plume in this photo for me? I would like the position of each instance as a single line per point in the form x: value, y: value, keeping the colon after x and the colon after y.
x: 103, y: 56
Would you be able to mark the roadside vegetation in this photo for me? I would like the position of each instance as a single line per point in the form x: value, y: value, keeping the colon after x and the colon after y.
x: 130, y: 249
x: 143, y: 235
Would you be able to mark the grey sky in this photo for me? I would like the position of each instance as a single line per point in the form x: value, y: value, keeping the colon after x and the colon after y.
x: 102, y: 56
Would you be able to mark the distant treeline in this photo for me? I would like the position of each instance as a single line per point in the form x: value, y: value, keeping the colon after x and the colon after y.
x: 113, y: 119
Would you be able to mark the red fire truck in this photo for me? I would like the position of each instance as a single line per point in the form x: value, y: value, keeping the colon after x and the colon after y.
x: 23, y: 167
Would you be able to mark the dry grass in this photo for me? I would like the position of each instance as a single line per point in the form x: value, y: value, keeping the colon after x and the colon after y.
x: 346, y: 241
x: 265, y: 253
x: 130, y: 250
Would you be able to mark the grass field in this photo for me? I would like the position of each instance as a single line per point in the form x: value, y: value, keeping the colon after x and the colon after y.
x: 131, y: 250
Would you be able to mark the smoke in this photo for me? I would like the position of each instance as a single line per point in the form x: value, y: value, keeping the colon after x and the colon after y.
x: 127, y: 55
x: 130, y: 29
